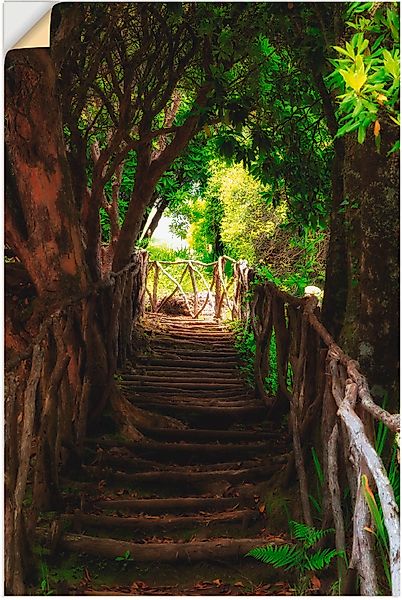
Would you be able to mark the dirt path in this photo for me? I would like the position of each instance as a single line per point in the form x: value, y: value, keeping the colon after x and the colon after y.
x: 177, y: 512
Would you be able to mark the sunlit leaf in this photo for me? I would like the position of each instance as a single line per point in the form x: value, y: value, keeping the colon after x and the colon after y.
x: 354, y: 79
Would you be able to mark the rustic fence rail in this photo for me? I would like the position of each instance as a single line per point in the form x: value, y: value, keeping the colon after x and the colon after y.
x: 225, y: 293
x: 63, y: 379
x: 319, y: 384
x: 51, y: 391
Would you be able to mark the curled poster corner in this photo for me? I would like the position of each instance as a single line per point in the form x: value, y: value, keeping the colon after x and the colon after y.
x: 26, y: 24
x: 38, y: 36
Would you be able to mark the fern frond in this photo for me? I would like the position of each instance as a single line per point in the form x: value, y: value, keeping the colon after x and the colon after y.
x: 307, y: 534
x: 321, y: 559
x: 285, y: 557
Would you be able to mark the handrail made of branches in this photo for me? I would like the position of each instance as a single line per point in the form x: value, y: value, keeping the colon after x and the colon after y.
x: 226, y: 293
x: 319, y: 383
x: 64, y: 378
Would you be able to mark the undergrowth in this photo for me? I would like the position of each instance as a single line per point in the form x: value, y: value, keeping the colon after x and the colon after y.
x: 245, y: 346
x: 301, y: 554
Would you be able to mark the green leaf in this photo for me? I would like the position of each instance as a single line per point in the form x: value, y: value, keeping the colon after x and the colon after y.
x: 321, y: 559
x: 395, y: 148
x: 350, y: 50
x: 307, y: 534
x: 391, y: 64
x: 361, y: 134
x: 284, y: 557
x: 316, y: 504
x: 375, y: 511
x: 354, y: 79
x: 317, y: 466
x: 343, y: 51
x: 351, y: 126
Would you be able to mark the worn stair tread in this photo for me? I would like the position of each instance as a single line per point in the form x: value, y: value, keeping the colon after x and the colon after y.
x: 188, y: 477
x: 144, y: 446
x: 200, y: 401
x: 230, y: 411
x: 194, y: 379
x: 211, y: 355
x: 172, y: 461
x: 195, y: 397
x: 187, y: 505
x: 184, y: 384
x: 149, y: 523
x: 216, y: 549
x: 185, y: 373
x: 207, y: 435
x: 212, y: 398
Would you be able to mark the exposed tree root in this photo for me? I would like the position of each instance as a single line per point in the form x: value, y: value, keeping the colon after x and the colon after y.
x: 129, y: 417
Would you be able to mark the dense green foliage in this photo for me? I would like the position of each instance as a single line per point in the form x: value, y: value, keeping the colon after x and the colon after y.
x: 368, y: 70
x: 234, y: 208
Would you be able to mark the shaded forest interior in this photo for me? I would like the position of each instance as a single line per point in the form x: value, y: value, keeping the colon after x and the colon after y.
x: 170, y: 411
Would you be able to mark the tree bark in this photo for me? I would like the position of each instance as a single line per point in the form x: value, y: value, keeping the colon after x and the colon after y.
x: 41, y: 219
x: 335, y: 290
x: 370, y: 331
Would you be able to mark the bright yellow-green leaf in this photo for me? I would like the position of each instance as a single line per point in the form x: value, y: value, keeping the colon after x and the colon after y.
x: 350, y: 50
x: 342, y: 51
x: 359, y: 63
x: 391, y: 65
x: 354, y: 79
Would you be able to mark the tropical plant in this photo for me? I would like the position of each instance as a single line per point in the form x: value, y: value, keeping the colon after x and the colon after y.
x: 368, y: 71
x: 301, y: 555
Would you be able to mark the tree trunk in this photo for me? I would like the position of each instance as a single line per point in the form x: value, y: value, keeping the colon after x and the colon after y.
x: 41, y: 219
x: 162, y: 206
x: 335, y: 291
x: 142, y: 194
x: 149, y: 170
x: 370, y: 332
x: 42, y: 227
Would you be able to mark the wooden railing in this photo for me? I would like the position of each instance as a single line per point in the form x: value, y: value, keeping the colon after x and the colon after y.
x: 211, y: 287
x: 64, y: 378
x: 322, y: 388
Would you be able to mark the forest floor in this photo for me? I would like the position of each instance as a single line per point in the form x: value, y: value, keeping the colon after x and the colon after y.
x: 175, y: 513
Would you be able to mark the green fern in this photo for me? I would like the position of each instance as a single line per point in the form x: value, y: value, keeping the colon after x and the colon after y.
x: 307, y: 534
x: 281, y: 557
x: 321, y: 559
x: 298, y: 556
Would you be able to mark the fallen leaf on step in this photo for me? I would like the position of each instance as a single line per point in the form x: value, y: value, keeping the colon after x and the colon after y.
x: 239, y: 584
x: 315, y: 582
x: 261, y: 508
x: 217, y: 581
